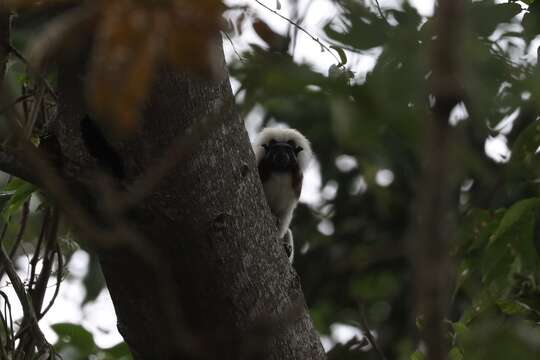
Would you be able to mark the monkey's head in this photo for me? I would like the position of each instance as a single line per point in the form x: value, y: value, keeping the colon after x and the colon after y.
x: 283, y: 149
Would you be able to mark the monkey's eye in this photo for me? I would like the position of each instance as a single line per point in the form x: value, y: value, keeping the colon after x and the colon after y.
x: 265, y: 147
x: 291, y: 142
x: 298, y: 149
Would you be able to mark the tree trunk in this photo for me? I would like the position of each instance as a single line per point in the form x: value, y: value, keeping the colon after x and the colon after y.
x: 4, y: 39
x: 224, y: 288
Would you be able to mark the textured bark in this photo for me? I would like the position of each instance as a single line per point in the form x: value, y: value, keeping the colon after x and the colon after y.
x: 4, y: 38
x: 232, y: 293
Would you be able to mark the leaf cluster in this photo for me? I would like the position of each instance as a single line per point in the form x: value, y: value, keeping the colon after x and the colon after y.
x: 369, y: 135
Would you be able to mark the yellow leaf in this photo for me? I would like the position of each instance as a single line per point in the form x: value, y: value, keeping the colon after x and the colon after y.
x: 194, y: 35
x: 62, y: 35
x: 36, y: 4
x: 127, y: 45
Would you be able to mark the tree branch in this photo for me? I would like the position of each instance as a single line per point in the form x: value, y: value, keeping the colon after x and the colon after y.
x: 40, y: 287
x: 367, y: 332
x: 5, y: 28
x: 302, y: 29
x: 381, y: 13
x: 434, y: 228
x: 37, y: 74
x: 8, y: 161
x: 30, y: 318
x: 11, y: 164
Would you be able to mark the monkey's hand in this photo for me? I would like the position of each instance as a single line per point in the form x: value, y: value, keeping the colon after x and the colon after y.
x: 288, y: 244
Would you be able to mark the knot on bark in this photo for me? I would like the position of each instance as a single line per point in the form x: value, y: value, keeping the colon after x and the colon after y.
x: 244, y: 170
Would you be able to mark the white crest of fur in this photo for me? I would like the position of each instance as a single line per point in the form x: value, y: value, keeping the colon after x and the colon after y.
x: 283, y: 134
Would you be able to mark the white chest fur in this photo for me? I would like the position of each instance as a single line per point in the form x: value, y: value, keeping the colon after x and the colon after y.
x: 280, y: 193
x: 281, y: 199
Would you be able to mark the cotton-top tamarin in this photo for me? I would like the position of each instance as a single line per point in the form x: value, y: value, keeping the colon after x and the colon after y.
x: 282, y: 157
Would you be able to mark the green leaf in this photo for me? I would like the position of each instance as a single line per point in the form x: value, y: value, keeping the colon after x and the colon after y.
x: 461, y: 330
x: 93, y: 281
x: 418, y: 355
x: 408, y: 17
x: 463, y: 273
x: 486, y: 15
x: 118, y: 352
x: 515, y: 214
x: 478, y: 226
x: 4, y: 199
x: 511, y: 248
x: 341, y: 53
x: 513, y: 307
x: 14, y: 184
x: 531, y: 21
x: 524, y: 161
x: 455, y: 354
x: 20, y: 192
x: 365, y: 30
x: 76, y: 336
x: 496, y: 340
x: 482, y: 303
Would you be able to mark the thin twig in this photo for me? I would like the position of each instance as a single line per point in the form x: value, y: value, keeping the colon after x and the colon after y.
x: 502, y: 55
x: 22, y: 228
x: 4, y: 229
x: 299, y: 27
x: 10, y: 163
x: 59, y: 272
x: 380, y: 11
x: 37, y: 249
x: 240, y: 57
x: 2, y: 235
x: 36, y: 107
x: 3, y: 353
x: 30, y: 319
x: 299, y: 21
x: 38, y: 291
x: 15, y: 102
x: 367, y: 332
x: 8, y: 328
x: 42, y: 78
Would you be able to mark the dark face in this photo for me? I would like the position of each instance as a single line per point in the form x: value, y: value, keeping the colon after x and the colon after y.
x: 281, y: 155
